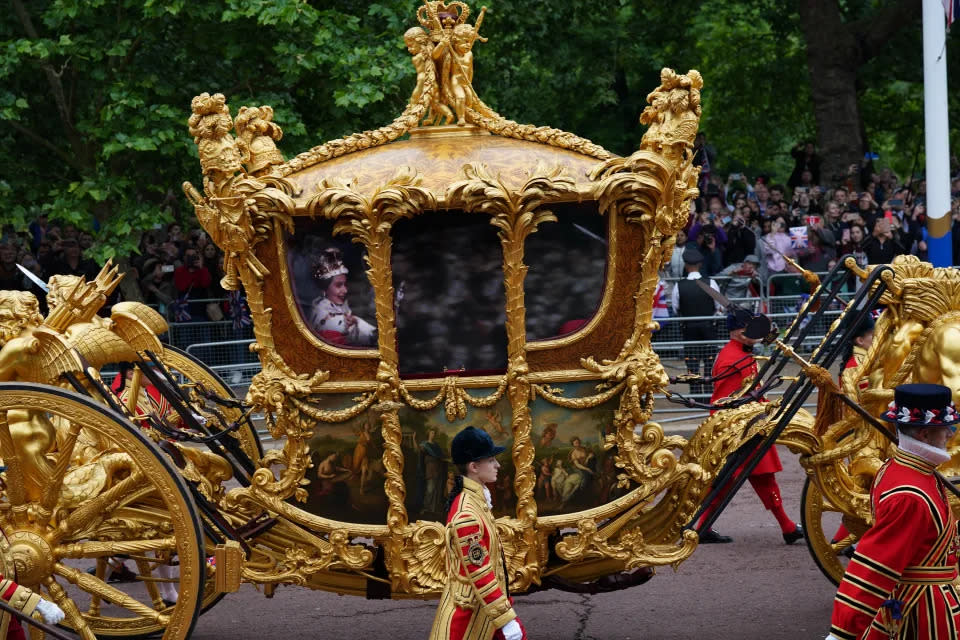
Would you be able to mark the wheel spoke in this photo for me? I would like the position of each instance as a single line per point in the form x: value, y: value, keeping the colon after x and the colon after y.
x: 145, y: 570
x: 16, y: 494
x: 99, y: 507
x: 52, y: 491
x: 101, y: 572
x: 111, y: 548
x: 72, y: 614
x: 91, y: 584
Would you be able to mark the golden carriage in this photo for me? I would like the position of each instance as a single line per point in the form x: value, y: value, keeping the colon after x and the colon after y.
x: 388, y: 275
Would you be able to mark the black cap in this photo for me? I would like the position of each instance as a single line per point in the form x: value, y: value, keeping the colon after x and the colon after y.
x: 756, y: 325
x: 692, y: 256
x: 863, y: 327
x: 473, y: 444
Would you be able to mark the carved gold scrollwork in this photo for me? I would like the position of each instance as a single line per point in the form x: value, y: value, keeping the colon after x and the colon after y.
x: 368, y: 220
x: 425, y: 557
x: 454, y: 398
x: 591, y: 542
x: 553, y: 396
x: 516, y: 213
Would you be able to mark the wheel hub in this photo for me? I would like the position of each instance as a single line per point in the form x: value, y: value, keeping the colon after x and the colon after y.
x: 32, y: 557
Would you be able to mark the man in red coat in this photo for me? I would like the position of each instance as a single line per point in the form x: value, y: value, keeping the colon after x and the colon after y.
x: 732, y: 368
x: 900, y: 583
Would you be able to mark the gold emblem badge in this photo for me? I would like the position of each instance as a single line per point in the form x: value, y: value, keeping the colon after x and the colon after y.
x: 476, y: 553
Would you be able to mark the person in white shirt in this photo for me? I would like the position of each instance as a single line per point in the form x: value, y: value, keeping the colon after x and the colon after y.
x: 689, y: 300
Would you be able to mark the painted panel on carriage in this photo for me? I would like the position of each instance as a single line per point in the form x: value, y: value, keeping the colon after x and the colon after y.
x: 572, y: 470
x: 330, y: 285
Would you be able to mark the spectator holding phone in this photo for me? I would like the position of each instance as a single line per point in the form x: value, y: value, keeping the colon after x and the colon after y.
x: 741, y: 241
x: 833, y: 222
x: 157, y: 282
x: 882, y: 246
x: 820, y: 250
x: 712, y: 218
x: 868, y: 209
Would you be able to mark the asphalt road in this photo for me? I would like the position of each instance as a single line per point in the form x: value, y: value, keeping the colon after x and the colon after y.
x: 756, y: 588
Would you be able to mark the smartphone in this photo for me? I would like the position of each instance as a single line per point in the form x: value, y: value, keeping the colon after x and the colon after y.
x: 846, y: 235
x: 812, y: 220
x: 896, y: 202
x: 736, y: 176
x: 167, y: 268
x: 888, y: 215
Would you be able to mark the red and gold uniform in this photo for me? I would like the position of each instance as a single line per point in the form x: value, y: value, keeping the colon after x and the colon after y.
x: 847, y: 381
x: 151, y: 401
x: 20, y: 598
x: 899, y: 583
x: 740, y: 365
x: 475, y: 602
x: 736, y: 363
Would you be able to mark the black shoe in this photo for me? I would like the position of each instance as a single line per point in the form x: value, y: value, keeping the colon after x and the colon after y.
x: 168, y: 603
x: 123, y: 574
x: 712, y: 537
x: 793, y: 536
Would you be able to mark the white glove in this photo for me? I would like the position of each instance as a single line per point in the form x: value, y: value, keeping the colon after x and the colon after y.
x: 52, y: 614
x: 512, y: 630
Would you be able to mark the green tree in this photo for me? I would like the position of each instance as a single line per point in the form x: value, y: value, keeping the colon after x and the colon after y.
x: 95, y: 94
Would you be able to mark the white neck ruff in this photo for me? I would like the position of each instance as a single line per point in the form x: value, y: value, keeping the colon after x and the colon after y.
x: 486, y: 494
x: 930, y: 453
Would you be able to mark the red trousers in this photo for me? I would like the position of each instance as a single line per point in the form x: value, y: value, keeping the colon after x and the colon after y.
x: 15, y: 630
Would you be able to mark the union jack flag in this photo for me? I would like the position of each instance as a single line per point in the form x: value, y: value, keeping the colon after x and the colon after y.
x: 660, y: 309
x: 181, y: 308
x: 952, y: 8
x: 239, y: 312
x: 798, y: 237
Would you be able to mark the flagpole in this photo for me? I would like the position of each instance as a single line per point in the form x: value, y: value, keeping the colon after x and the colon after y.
x: 937, y: 133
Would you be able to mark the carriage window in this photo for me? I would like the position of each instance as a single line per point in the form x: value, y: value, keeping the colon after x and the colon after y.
x: 330, y: 285
x: 448, y: 278
x: 566, y: 270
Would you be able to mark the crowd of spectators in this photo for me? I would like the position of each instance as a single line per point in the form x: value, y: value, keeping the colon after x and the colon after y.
x: 871, y: 214
x: 177, y: 273
x: 748, y: 229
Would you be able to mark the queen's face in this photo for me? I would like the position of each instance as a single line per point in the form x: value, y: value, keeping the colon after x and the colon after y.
x: 337, y: 289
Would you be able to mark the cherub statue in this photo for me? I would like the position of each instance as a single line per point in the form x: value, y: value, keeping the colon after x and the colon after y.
x: 453, y: 55
x: 258, y: 135
x: 419, y: 45
x: 673, y: 113
x: 224, y: 214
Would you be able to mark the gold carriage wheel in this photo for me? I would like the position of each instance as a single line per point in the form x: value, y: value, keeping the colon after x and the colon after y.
x: 105, y: 492
x: 183, y: 364
x: 196, y: 371
x: 827, y: 555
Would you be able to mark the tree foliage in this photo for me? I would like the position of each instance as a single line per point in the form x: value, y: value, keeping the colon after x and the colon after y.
x: 94, y: 94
